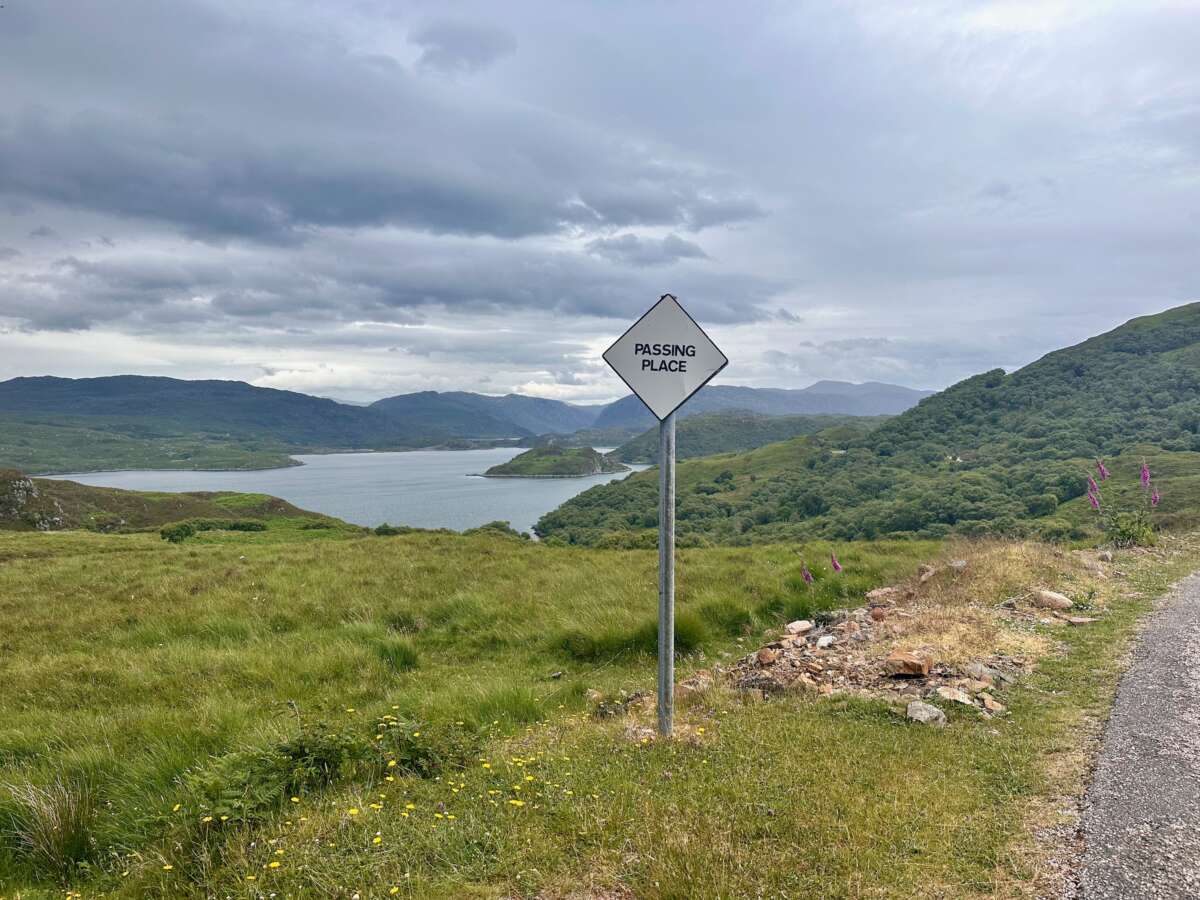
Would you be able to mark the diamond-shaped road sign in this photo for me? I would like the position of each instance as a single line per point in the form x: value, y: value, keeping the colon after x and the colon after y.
x: 665, y: 357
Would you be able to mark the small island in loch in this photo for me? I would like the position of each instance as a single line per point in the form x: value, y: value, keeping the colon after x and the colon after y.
x: 557, y: 462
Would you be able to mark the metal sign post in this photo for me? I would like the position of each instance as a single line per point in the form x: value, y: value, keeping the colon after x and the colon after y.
x: 666, y: 574
x: 665, y: 357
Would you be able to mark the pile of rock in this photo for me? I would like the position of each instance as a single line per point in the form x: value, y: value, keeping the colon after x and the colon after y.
x: 837, y: 655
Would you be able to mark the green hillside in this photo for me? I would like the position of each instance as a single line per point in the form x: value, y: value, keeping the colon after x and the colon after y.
x: 42, y: 504
x: 996, y: 453
x: 556, y: 462
x: 733, y: 430
x: 62, y: 425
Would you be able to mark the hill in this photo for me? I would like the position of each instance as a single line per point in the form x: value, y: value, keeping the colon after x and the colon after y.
x: 996, y: 453
x: 522, y: 415
x: 42, y: 504
x: 556, y: 462
x: 823, y: 398
x: 60, y: 425
x: 732, y: 430
x: 57, y: 425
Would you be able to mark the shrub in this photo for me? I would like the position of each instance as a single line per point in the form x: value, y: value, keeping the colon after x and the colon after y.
x: 399, y: 654
x: 53, y: 825
x: 499, y: 528
x: 247, y: 784
x: 386, y: 530
x: 1130, y: 529
x: 181, y: 531
x: 177, y: 533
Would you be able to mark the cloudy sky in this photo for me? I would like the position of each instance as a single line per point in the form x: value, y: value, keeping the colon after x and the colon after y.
x: 364, y: 197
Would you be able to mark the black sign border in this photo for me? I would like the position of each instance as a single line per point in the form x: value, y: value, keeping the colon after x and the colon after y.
x: 632, y: 389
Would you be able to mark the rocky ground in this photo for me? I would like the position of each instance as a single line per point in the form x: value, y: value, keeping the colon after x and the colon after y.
x: 868, y: 651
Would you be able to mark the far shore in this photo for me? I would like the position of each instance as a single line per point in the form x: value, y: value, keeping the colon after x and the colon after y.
x: 580, y: 475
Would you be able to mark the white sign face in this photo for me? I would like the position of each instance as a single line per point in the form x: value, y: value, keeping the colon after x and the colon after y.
x: 665, y: 357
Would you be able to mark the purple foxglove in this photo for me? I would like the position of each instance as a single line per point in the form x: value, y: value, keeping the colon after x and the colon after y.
x: 1103, y: 471
x: 1093, y: 488
x: 805, y: 574
x: 837, y: 566
x: 1095, y: 501
x: 1145, y: 475
x: 1154, y: 498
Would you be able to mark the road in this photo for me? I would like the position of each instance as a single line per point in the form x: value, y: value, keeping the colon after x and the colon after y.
x: 1141, y: 820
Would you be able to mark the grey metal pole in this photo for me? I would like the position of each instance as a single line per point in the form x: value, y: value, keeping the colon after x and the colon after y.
x: 666, y: 574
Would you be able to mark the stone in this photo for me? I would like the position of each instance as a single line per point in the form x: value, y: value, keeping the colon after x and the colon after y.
x: 957, y: 566
x: 902, y: 664
x: 884, y: 595
x: 639, y: 734
x: 1080, y: 620
x: 803, y: 683
x: 925, y: 572
x: 1105, y: 556
x: 851, y: 628
x: 556, y: 675
x: 594, y: 696
x: 800, y: 626
x: 954, y: 695
x: 926, y: 714
x: 976, y: 687
x: 766, y: 656
x: 878, y: 613
x: 992, y: 705
x: 1044, y: 599
x: 762, y: 683
x: 981, y: 672
x: 696, y: 684
x: 825, y: 640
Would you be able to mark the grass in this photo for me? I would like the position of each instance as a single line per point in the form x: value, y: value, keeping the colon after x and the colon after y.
x: 227, y: 675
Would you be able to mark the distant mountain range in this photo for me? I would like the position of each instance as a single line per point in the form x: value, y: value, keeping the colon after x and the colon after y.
x: 196, y: 423
x: 871, y: 398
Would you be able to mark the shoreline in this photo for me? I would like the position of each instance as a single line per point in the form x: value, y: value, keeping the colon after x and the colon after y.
x: 580, y: 475
x: 295, y: 463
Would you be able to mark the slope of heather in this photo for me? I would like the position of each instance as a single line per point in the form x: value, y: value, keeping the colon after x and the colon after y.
x: 996, y: 453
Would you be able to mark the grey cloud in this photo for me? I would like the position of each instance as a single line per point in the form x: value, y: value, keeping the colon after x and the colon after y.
x: 44, y: 231
x: 637, y: 251
x: 461, y: 47
x: 971, y: 184
x: 396, y: 281
x: 9, y: 253
x: 350, y: 141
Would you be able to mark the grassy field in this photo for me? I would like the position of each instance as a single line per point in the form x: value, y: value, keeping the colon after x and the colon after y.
x: 292, y: 713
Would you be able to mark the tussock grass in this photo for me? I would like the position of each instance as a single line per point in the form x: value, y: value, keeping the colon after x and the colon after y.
x: 51, y: 826
x: 399, y: 654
